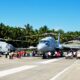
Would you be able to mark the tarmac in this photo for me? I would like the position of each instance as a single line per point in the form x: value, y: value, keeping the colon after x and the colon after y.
x: 36, y: 68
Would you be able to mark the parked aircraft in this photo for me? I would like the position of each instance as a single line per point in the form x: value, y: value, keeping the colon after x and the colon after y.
x: 6, y: 47
x: 49, y: 44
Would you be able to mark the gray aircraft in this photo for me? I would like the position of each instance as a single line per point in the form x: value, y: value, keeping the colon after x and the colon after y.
x: 6, y: 47
x: 49, y: 44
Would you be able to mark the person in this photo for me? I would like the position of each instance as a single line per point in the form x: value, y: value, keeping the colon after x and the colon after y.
x: 49, y: 54
x: 0, y: 55
x: 55, y: 53
x: 11, y: 55
x: 19, y: 54
x: 24, y: 53
x: 33, y: 53
x: 6, y: 54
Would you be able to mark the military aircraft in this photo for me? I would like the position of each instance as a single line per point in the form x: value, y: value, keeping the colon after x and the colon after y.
x: 5, y: 47
x: 49, y: 44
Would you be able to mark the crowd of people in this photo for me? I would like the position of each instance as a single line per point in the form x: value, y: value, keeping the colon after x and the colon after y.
x: 19, y: 54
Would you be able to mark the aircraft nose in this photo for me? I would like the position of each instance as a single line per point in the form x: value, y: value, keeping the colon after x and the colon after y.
x: 41, y: 47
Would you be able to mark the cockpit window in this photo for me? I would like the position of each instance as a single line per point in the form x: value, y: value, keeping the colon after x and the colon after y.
x: 43, y: 41
x: 46, y: 42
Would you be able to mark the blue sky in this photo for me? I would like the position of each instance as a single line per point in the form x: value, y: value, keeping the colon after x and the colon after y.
x: 56, y: 14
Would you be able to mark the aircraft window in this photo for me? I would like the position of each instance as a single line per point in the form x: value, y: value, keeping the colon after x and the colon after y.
x: 43, y: 41
x: 46, y: 42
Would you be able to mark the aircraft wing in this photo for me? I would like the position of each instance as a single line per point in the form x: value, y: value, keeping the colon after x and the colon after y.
x: 32, y: 48
x: 70, y: 47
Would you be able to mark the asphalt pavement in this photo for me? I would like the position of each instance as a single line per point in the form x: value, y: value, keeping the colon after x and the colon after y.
x: 36, y: 68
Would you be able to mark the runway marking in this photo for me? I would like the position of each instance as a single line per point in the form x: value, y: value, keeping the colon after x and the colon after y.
x: 15, y: 70
x: 49, y: 61
x: 60, y: 73
x: 26, y: 67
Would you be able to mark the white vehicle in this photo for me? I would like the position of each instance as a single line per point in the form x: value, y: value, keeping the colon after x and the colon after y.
x: 69, y: 56
x: 78, y: 54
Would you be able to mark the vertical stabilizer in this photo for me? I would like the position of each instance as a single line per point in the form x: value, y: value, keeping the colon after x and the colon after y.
x: 58, y: 42
x: 58, y: 38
